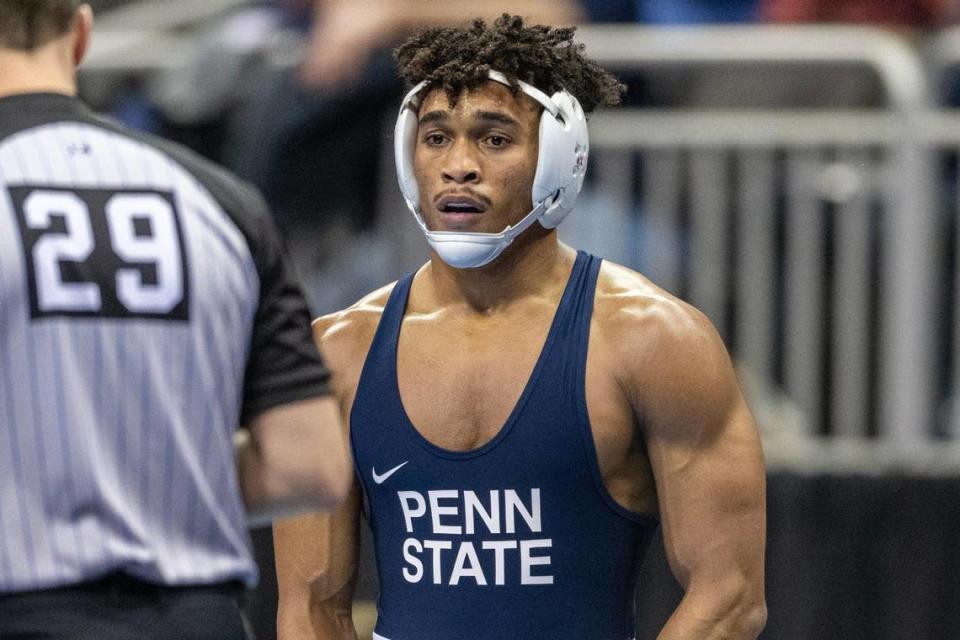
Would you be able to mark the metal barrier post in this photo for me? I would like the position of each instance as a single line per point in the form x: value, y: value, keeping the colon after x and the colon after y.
x: 906, y: 379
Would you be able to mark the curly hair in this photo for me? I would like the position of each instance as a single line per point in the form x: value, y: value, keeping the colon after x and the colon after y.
x: 457, y: 58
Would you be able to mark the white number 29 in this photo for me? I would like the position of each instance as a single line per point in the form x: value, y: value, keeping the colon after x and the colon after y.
x: 161, y: 248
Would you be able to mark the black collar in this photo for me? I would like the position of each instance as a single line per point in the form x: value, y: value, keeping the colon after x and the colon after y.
x: 32, y: 103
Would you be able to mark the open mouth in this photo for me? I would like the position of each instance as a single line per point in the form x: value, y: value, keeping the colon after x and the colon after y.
x: 460, y: 205
x: 459, y: 208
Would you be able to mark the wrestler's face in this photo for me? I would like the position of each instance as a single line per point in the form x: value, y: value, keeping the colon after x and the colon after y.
x: 475, y: 163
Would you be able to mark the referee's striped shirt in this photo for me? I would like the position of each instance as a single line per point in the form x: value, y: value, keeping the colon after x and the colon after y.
x: 145, y: 312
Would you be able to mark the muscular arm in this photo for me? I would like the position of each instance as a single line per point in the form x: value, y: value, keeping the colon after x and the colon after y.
x: 317, y: 557
x: 317, y: 554
x: 708, y: 464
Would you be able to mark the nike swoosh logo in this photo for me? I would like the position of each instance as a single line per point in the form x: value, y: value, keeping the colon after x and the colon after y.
x: 380, y: 479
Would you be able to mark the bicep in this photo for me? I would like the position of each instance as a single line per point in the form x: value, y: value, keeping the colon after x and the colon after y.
x: 707, y: 459
x: 711, y: 500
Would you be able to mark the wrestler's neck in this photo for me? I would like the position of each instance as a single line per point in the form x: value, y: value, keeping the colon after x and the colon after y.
x: 529, y: 266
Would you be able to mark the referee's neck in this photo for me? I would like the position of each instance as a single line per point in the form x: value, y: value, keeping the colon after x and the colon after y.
x: 47, y: 69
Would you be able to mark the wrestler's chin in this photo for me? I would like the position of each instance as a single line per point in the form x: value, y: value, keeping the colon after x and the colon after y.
x: 471, y: 222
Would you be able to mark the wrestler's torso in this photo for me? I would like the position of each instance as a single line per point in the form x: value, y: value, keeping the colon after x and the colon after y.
x: 460, y: 373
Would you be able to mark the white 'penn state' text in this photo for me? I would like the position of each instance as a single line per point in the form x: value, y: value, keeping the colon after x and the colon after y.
x: 453, y: 513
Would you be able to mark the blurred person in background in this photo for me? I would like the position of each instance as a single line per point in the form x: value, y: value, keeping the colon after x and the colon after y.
x: 910, y: 14
x: 523, y: 416
x: 146, y: 310
x: 671, y: 12
x: 347, y: 33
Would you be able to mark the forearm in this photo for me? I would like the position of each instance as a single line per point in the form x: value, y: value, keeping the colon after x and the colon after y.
x: 316, y: 560
x: 324, y: 621
x: 729, y: 616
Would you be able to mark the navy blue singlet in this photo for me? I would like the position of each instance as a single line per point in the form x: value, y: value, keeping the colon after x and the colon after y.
x: 516, y: 540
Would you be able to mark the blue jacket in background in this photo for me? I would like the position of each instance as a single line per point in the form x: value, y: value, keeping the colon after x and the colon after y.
x: 671, y: 11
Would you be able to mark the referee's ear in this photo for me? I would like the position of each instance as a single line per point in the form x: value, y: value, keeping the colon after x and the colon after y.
x: 82, y: 28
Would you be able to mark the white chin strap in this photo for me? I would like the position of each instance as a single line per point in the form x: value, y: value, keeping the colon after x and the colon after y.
x: 470, y: 249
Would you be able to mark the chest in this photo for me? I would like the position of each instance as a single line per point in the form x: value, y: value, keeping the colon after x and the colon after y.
x: 461, y: 384
x: 460, y: 388
x: 460, y: 381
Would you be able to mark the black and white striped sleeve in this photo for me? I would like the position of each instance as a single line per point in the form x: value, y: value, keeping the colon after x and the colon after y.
x: 284, y: 365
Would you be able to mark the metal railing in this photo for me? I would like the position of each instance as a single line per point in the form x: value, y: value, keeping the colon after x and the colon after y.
x: 807, y: 235
x: 942, y: 58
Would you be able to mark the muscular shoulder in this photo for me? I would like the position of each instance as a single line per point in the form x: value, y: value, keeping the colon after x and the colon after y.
x: 666, y: 352
x: 344, y: 337
x: 641, y: 316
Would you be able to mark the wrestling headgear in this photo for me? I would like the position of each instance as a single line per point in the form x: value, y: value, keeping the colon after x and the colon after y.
x: 561, y: 166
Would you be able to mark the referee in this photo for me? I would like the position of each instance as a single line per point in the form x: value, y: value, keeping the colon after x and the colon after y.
x: 146, y: 310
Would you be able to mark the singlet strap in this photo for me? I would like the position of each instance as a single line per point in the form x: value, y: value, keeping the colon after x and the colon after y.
x: 396, y: 305
x: 572, y: 323
x: 377, y: 373
x: 583, y: 309
x: 564, y: 353
x: 383, y: 349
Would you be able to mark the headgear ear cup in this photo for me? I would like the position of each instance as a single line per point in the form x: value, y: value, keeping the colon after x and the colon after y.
x: 404, y: 142
x: 562, y: 163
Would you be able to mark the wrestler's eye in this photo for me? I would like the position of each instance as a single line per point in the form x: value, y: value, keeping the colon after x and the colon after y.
x: 497, y: 141
x: 434, y: 139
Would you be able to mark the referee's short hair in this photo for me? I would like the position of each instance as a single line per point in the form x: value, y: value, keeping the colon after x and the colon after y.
x: 28, y: 24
